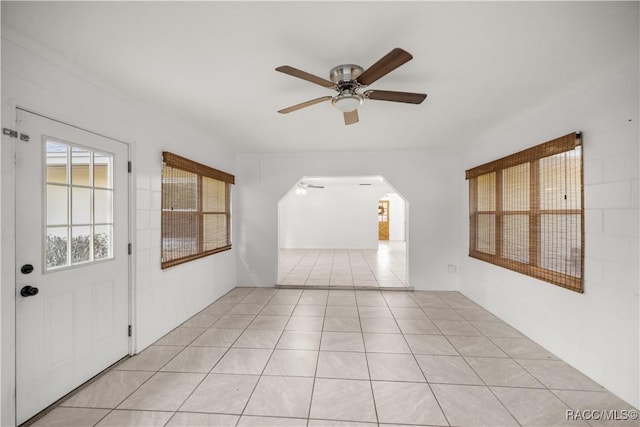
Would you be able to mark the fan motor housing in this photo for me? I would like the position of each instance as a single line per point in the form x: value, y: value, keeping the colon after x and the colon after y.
x: 345, y: 73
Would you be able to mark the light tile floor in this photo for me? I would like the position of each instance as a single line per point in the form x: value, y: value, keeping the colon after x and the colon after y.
x: 289, y: 357
x: 381, y: 268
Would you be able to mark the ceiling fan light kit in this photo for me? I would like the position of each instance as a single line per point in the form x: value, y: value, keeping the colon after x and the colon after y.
x: 347, y: 102
x: 348, y: 79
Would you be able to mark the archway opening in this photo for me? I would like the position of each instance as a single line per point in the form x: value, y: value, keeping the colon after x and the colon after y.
x: 330, y: 234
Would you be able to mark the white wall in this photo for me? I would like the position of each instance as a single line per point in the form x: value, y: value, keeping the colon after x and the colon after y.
x: 396, y: 216
x: 335, y: 217
x: 431, y: 182
x: 596, y: 332
x: 38, y: 80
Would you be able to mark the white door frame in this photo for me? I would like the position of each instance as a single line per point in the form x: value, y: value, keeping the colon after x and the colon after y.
x: 8, y: 271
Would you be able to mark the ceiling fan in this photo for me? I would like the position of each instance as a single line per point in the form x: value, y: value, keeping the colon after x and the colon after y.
x: 349, y: 79
x: 302, y: 186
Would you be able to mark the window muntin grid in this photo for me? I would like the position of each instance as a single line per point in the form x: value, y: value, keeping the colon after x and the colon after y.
x: 79, y: 205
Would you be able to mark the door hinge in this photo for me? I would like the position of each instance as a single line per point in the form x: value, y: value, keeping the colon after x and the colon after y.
x: 129, y: 248
x: 129, y: 167
x: 129, y: 330
x: 14, y: 134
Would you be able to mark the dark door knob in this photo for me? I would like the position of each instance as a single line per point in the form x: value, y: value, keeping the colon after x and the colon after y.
x: 26, y: 269
x: 28, y: 291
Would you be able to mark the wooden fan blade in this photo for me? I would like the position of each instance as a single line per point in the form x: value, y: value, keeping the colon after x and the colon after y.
x: 386, y: 95
x: 305, y: 76
x: 351, y: 117
x: 304, y: 104
x: 384, y: 66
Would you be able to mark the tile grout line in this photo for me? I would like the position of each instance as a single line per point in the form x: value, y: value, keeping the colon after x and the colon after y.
x: 356, y: 292
x: 293, y: 268
x: 471, y: 367
x: 372, y: 273
x: 226, y: 351
x: 366, y: 260
x: 366, y: 358
x: 230, y: 345
x: 151, y: 376
x: 416, y: 360
x: 315, y: 374
x: 165, y: 364
x: 315, y: 263
x: 244, y: 408
x: 353, y: 282
x: 158, y: 371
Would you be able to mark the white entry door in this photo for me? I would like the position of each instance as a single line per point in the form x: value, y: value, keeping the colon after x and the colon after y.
x: 72, y: 272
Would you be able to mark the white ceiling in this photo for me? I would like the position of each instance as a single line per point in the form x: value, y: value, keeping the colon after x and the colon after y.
x: 212, y: 63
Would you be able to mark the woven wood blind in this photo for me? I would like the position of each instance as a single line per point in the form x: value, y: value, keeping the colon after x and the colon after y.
x: 526, y: 212
x: 196, y: 214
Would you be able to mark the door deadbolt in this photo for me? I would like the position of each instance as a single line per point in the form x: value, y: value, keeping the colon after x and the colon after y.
x: 26, y: 269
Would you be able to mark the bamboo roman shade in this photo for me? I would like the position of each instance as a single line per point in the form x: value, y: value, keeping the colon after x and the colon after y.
x: 196, y: 213
x: 526, y: 212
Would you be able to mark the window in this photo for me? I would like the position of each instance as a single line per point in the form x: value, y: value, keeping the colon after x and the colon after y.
x: 79, y: 205
x: 196, y: 214
x: 526, y: 212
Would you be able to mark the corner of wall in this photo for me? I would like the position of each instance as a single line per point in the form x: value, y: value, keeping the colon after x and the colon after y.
x: 607, y: 312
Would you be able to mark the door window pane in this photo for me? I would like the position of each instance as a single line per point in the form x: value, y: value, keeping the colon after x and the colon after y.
x: 57, y: 204
x: 102, y: 170
x: 56, y: 247
x: 56, y: 158
x: 80, y: 166
x: 80, y: 244
x: 80, y: 205
x: 103, y: 206
x: 102, y: 241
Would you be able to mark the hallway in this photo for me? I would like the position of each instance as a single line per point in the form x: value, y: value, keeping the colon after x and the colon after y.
x: 294, y: 357
x: 382, y: 268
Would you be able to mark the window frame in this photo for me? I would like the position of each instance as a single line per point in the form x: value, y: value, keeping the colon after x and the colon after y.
x: 201, y: 171
x: 532, y: 156
x: 69, y: 187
